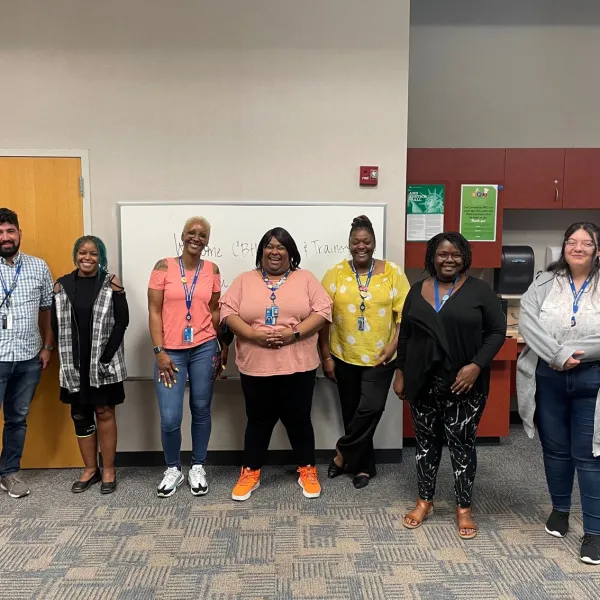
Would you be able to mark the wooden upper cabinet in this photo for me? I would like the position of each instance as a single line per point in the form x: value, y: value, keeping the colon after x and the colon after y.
x: 534, y: 178
x: 429, y: 166
x: 582, y: 178
x: 480, y: 166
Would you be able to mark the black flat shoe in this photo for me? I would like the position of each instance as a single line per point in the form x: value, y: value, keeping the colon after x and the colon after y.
x: 361, y: 481
x: 108, y: 487
x: 333, y: 470
x: 82, y: 486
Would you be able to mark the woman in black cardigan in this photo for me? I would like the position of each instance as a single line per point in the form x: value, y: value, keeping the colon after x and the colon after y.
x: 452, y: 327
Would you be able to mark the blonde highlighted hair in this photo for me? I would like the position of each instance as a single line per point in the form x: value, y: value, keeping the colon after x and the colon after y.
x: 200, y: 220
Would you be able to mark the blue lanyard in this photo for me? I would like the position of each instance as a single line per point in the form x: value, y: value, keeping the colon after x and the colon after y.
x: 436, y: 290
x: 189, y: 293
x: 576, y: 297
x: 8, y: 291
x: 363, y: 289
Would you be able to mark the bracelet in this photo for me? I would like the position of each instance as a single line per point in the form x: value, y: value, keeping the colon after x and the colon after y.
x: 328, y: 358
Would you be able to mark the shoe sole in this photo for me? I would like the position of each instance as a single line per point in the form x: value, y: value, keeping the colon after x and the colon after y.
x: 168, y: 495
x: 588, y: 561
x: 556, y: 534
x: 245, y: 496
x: 16, y: 496
x: 308, y: 494
x: 200, y: 492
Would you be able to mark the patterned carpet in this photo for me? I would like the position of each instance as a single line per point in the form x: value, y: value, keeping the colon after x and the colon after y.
x: 347, y: 545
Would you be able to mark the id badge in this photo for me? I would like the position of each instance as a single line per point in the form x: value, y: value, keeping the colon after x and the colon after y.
x: 269, y: 318
x: 361, y: 323
x: 275, y: 310
x: 188, y: 334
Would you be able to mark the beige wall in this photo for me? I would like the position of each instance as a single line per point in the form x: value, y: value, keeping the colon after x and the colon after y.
x: 507, y: 74
x: 503, y: 74
x: 270, y: 99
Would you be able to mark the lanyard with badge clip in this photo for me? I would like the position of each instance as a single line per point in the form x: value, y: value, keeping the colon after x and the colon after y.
x: 363, y: 291
x: 188, y: 330
x: 436, y: 291
x: 272, y: 311
x: 7, y: 318
x: 576, y: 297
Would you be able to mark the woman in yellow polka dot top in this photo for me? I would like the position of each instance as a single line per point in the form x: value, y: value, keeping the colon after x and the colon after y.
x: 358, y: 347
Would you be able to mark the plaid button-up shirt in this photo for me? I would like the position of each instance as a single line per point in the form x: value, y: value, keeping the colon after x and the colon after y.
x: 32, y: 294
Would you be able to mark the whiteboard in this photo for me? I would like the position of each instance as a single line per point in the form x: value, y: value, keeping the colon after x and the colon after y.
x: 151, y: 231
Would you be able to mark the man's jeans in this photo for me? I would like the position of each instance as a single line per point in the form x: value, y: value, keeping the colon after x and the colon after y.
x: 18, y: 382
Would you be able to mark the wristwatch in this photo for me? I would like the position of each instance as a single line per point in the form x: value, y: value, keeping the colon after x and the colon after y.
x: 296, y: 334
x: 48, y: 347
x: 158, y: 349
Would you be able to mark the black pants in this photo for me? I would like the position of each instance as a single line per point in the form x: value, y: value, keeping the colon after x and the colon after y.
x: 285, y: 397
x: 363, y: 394
x: 444, y: 415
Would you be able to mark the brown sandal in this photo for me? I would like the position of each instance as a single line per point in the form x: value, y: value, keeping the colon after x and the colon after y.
x: 418, y: 514
x: 465, y: 521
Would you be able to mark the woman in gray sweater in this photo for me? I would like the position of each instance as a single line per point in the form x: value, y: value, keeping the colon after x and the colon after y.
x: 558, y: 380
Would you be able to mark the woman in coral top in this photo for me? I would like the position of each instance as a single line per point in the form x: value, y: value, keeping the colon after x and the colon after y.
x: 276, y: 311
x: 357, y: 349
x: 183, y: 304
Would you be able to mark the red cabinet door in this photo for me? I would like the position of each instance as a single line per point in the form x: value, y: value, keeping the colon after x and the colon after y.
x: 582, y: 178
x: 480, y: 166
x: 533, y: 177
x: 429, y: 166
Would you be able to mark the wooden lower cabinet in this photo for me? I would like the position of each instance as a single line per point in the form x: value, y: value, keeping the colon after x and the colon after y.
x: 495, y: 422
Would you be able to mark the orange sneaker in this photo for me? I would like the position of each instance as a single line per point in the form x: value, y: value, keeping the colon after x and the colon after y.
x: 308, y: 481
x: 249, y: 481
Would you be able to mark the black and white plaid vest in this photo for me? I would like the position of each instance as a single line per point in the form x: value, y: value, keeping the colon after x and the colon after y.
x: 68, y: 342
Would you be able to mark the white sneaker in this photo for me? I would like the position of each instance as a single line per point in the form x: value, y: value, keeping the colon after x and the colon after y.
x: 172, y: 479
x: 197, y: 480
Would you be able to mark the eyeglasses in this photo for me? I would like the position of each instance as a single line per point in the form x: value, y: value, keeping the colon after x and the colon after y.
x: 587, y: 245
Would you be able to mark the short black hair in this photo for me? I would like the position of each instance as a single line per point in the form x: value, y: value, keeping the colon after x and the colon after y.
x: 286, y: 240
x: 362, y: 222
x: 9, y: 216
x: 456, y: 239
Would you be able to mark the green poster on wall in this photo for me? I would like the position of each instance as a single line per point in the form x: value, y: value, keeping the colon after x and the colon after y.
x: 478, y: 212
x: 424, y: 212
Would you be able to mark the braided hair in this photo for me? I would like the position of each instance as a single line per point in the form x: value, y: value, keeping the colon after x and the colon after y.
x: 456, y: 239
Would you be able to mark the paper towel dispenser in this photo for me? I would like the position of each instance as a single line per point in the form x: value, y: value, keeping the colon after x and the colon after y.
x: 516, y: 271
x: 552, y: 255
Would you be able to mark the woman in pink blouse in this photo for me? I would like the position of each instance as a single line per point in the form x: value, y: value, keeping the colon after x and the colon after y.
x: 276, y: 312
x: 183, y: 305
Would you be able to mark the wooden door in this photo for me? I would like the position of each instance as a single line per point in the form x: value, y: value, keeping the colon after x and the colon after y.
x: 44, y: 192
x: 534, y: 178
x: 582, y: 178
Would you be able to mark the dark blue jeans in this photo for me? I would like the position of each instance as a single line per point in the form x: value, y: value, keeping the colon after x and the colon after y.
x: 197, y: 363
x: 18, y: 382
x: 565, y: 405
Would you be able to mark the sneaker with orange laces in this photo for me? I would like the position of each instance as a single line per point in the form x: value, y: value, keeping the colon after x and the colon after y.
x: 308, y: 481
x: 249, y: 481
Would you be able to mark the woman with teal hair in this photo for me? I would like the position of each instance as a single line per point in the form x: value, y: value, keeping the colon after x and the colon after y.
x: 89, y: 318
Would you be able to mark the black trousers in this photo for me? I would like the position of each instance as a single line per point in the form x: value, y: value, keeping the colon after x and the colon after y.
x: 269, y: 399
x: 439, y: 416
x: 363, y: 393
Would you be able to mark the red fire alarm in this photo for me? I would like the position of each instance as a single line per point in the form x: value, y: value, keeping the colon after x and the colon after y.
x: 369, y: 176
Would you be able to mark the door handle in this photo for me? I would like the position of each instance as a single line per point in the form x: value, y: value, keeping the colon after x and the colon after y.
x: 556, y: 190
